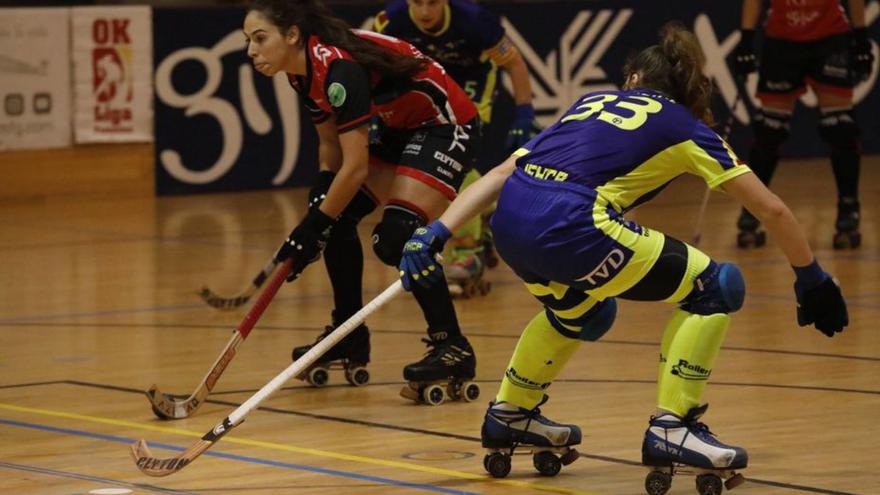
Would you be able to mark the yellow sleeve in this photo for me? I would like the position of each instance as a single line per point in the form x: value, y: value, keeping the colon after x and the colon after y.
x: 380, y: 22
x: 503, y: 52
x: 712, y: 158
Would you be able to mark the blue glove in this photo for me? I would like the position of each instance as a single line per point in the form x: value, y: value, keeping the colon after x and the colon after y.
x: 819, y: 300
x: 744, y: 60
x: 306, y: 242
x: 419, y: 256
x: 523, y: 127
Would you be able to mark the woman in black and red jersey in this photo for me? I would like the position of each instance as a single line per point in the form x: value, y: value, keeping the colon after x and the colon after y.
x: 807, y: 42
x: 414, y: 166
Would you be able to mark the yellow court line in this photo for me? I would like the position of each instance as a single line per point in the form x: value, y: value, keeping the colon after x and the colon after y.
x: 299, y: 450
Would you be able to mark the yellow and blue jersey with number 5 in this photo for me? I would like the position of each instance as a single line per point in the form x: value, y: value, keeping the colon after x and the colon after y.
x: 560, y: 216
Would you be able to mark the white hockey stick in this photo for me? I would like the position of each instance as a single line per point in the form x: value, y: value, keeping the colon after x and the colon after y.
x: 154, y: 466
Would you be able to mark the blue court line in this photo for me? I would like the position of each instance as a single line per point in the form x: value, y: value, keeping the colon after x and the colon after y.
x: 252, y: 460
x: 85, y: 477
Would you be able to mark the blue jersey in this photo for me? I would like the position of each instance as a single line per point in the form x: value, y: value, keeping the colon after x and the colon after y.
x: 560, y: 215
x: 461, y: 45
x: 627, y: 146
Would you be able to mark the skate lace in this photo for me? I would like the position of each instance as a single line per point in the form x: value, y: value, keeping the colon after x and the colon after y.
x: 532, y: 415
x: 702, y: 431
x: 327, y: 331
x: 434, y: 348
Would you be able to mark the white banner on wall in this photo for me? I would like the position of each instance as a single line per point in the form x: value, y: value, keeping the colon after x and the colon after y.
x: 34, y: 78
x: 112, y: 60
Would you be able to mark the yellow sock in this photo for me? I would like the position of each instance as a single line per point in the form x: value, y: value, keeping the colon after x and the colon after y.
x: 668, y: 335
x: 691, y: 354
x: 539, y: 357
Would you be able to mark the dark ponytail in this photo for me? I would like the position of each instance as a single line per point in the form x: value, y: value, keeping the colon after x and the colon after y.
x: 313, y: 18
x: 675, y: 67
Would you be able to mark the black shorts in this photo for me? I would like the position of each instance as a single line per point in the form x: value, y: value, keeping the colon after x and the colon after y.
x: 788, y: 66
x: 439, y: 156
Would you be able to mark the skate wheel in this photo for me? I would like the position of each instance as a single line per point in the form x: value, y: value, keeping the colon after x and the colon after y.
x: 734, y: 481
x: 547, y: 463
x: 760, y: 239
x: 484, y: 287
x: 318, y: 377
x: 433, y: 395
x: 455, y: 291
x: 498, y: 465
x: 708, y: 484
x: 357, y: 376
x: 658, y: 483
x: 408, y: 392
x: 470, y: 392
x: 746, y: 240
x: 847, y: 240
x: 569, y: 457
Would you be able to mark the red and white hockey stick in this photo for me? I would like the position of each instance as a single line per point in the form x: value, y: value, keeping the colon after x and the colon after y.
x: 220, y: 302
x: 167, y: 406
x: 154, y: 466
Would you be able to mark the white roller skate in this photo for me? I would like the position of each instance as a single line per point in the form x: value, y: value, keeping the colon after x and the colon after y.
x: 676, y: 445
x: 509, y: 430
x: 465, y: 277
x: 445, y: 373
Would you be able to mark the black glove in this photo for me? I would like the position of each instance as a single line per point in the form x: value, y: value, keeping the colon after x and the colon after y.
x: 744, y: 60
x: 304, y: 245
x: 862, y: 59
x: 819, y: 300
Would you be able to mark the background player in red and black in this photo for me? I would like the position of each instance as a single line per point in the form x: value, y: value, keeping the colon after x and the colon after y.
x: 470, y: 43
x: 807, y: 42
x: 429, y: 132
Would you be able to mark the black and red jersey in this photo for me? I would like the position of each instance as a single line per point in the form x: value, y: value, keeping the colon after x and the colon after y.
x: 335, y: 84
x: 805, y: 20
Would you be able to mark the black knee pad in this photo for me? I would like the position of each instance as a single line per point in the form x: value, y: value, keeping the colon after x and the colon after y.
x: 839, y: 129
x: 771, y: 129
x: 361, y: 205
x: 396, y: 227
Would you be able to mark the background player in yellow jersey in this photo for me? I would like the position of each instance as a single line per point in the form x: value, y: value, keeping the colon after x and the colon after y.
x: 560, y: 225
x: 470, y: 43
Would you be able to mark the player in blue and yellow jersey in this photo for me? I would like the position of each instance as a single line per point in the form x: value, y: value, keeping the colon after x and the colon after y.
x: 561, y: 225
x: 470, y: 43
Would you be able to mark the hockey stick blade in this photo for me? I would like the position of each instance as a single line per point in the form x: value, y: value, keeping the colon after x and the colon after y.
x: 154, y: 466
x: 168, y: 406
x: 217, y: 301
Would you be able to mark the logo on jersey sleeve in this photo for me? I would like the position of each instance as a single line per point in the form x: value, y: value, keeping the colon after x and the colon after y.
x: 336, y: 94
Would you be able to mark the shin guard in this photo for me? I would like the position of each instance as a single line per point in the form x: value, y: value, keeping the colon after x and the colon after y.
x: 540, y: 355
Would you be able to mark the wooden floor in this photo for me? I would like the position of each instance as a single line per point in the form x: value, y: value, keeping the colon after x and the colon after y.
x: 98, y: 301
